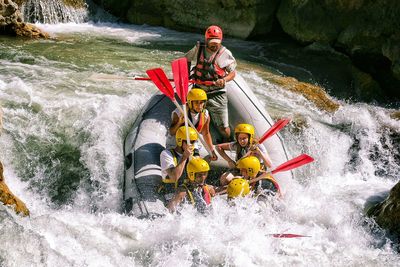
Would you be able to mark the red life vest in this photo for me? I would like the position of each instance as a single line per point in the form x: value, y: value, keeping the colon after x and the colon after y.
x: 208, y: 69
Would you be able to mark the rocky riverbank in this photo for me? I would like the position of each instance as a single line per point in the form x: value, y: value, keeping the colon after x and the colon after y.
x: 12, y: 22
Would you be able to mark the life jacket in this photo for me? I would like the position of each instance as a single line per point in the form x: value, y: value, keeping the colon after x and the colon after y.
x: 208, y: 69
x: 195, y: 198
x: 241, y: 151
x: 202, y: 120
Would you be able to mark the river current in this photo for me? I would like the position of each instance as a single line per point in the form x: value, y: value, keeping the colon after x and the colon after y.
x: 62, y: 148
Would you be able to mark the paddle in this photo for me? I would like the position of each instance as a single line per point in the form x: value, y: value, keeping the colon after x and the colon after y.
x: 181, y: 79
x: 288, y: 235
x: 274, y: 129
x: 106, y: 77
x: 161, y: 81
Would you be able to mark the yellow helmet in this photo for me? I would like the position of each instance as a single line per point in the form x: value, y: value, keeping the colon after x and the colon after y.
x: 238, y: 187
x: 196, y: 165
x: 196, y: 94
x: 251, y: 164
x: 245, y: 128
x: 181, y: 135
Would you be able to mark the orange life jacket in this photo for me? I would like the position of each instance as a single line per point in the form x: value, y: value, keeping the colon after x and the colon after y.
x: 208, y: 69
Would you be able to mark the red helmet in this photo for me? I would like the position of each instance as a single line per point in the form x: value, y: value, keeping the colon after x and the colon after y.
x: 213, y: 32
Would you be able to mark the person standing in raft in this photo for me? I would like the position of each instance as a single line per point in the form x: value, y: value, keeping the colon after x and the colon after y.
x: 197, y: 114
x: 194, y: 190
x: 214, y: 63
x: 173, y: 162
x: 245, y: 145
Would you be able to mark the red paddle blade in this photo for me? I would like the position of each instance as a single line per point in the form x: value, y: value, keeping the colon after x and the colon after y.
x: 293, y: 163
x: 181, y: 77
x: 161, y: 81
x: 288, y: 235
x: 274, y: 129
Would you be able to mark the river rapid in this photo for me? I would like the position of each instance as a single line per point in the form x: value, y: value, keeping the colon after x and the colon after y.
x: 62, y: 148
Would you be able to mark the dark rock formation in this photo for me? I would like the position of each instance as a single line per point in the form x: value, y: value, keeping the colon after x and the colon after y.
x: 368, y: 31
x: 387, y: 213
x: 11, y: 22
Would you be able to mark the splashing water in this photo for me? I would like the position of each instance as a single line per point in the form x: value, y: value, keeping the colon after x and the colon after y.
x: 62, y: 150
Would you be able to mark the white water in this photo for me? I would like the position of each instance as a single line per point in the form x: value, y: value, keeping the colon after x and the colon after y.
x: 45, y: 93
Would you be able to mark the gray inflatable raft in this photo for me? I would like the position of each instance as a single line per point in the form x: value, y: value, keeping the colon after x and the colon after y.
x: 149, y: 136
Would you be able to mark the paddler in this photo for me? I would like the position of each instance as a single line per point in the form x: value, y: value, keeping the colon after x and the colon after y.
x: 194, y: 190
x: 250, y: 170
x: 216, y: 63
x: 197, y: 114
x: 173, y: 161
x: 245, y: 144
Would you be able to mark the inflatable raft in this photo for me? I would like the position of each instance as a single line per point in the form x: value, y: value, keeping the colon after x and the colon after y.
x: 149, y: 136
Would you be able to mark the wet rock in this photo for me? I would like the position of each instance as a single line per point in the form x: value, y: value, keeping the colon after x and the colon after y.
x: 387, y: 213
x: 29, y: 30
x: 12, y: 22
x: 368, y: 31
x: 395, y: 115
x: 9, y: 199
x: 312, y: 92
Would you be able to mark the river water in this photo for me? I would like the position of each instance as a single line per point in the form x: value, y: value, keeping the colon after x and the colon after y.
x: 62, y: 148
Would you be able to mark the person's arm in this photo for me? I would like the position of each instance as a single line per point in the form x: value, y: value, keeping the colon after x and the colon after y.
x: 208, y: 138
x: 211, y: 189
x: 262, y: 153
x: 177, y: 121
x: 221, y: 150
x: 176, y: 172
x: 176, y: 200
x: 228, y: 63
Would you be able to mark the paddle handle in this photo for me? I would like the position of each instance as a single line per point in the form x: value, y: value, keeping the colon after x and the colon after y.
x: 194, y: 127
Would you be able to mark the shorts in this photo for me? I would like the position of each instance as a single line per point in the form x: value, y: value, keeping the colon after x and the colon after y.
x: 217, y: 106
